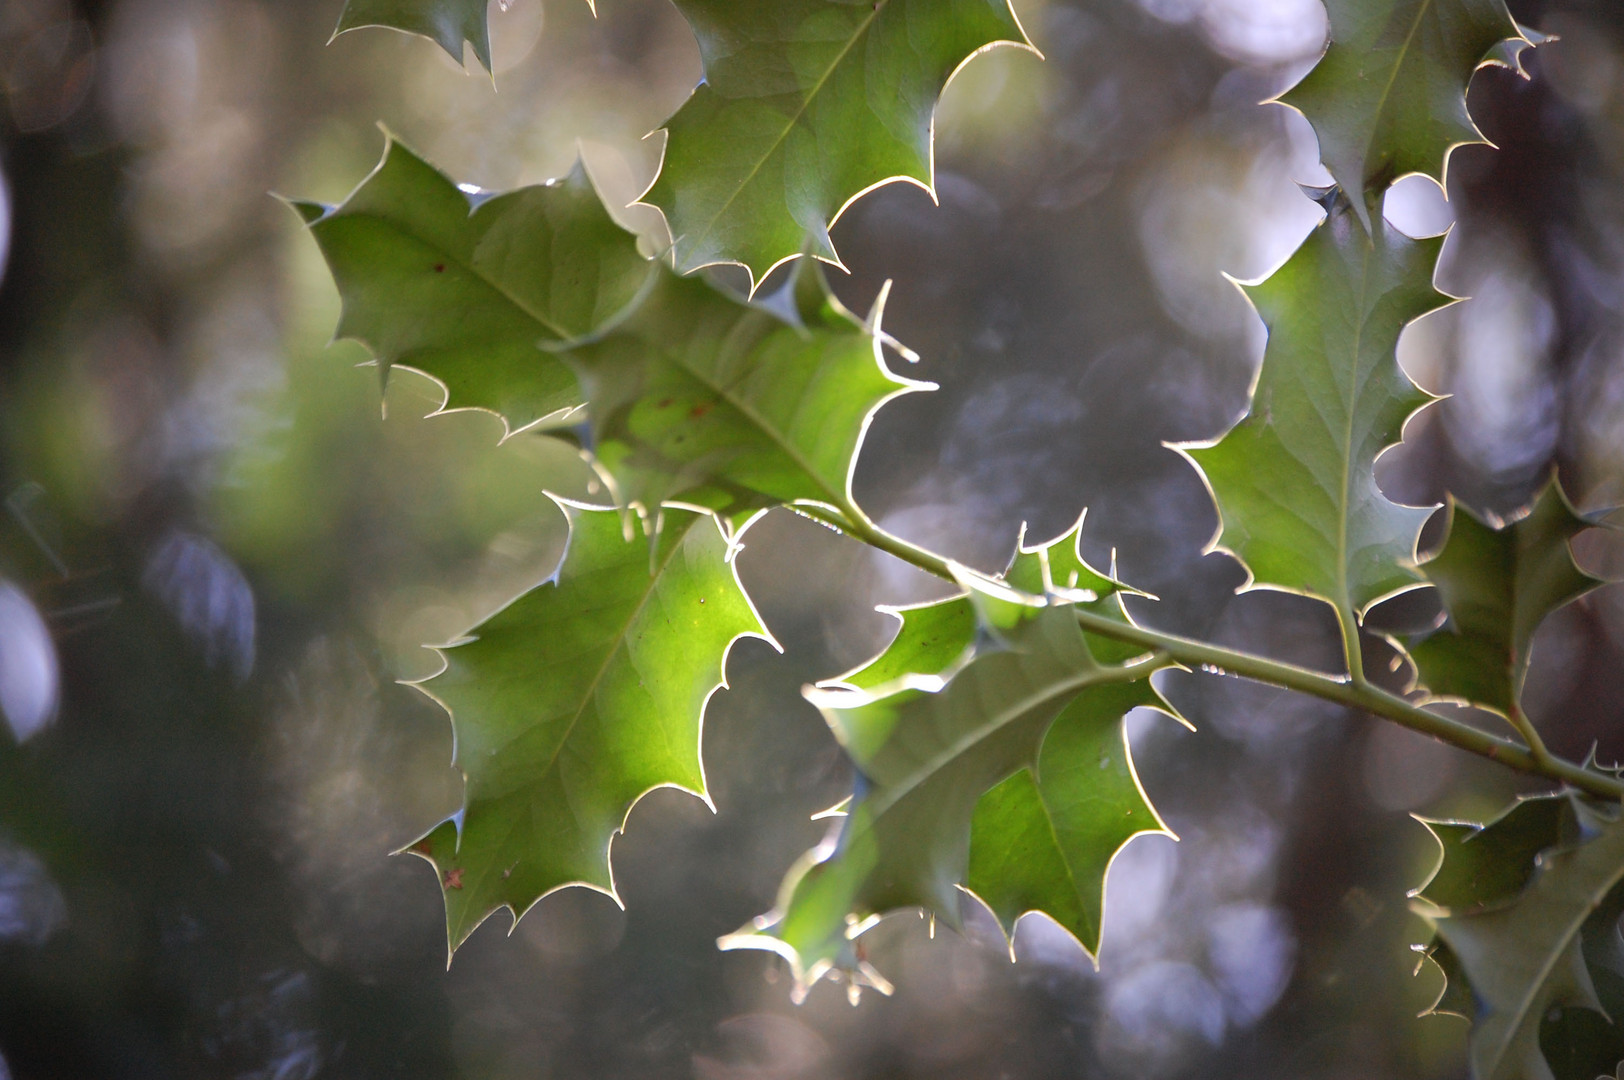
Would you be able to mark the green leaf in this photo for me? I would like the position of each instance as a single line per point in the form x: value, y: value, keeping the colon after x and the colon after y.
x: 702, y: 398
x: 1388, y: 98
x: 1043, y: 839
x: 1525, y: 959
x: 448, y: 23
x: 1498, y: 581
x: 934, y: 635
x: 576, y: 699
x: 1294, y: 481
x: 926, y: 749
x: 1484, y: 865
x: 468, y: 288
x: 807, y: 104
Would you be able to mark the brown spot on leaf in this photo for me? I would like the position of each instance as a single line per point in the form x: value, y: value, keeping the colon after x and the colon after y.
x: 439, y: 268
x: 701, y: 409
x: 424, y: 847
x: 453, y: 878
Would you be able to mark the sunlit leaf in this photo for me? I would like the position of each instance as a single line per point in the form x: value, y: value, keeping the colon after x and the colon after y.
x: 805, y: 105
x: 1388, y: 98
x: 1294, y: 480
x: 468, y: 288
x: 573, y: 701
x: 926, y: 749
x: 1498, y: 582
x: 1043, y: 839
x: 703, y: 398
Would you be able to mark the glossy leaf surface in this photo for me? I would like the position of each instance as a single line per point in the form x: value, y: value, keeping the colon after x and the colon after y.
x: 469, y: 288
x: 573, y: 701
x: 806, y: 104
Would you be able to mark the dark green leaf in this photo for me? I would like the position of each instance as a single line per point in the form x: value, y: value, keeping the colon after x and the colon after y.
x: 468, y: 288
x: 926, y: 749
x: 1498, y: 583
x: 448, y: 23
x: 576, y: 699
x: 805, y: 105
x: 1294, y: 479
x: 1389, y: 96
x: 1525, y: 959
x: 705, y: 399
x: 1481, y: 866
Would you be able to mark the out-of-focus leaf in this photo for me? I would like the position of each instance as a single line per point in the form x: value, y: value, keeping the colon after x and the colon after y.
x: 705, y: 399
x: 448, y: 23
x: 573, y: 701
x: 1043, y: 839
x: 1524, y: 959
x: 926, y: 749
x: 1498, y: 584
x: 805, y: 105
x: 468, y: 288
x: 1388, y: 98
x: 1294, y: 480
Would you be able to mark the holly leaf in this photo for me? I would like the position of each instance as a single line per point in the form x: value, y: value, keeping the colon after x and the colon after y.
x: 467, y: 288
x: 805, y: 105
x: 1481, y: 866
x: 1293, y: 480
x: 926, y: 749
x: 448, y: 23
x: 1498, y: 580
x: 1044, y: 839
x: 1525, y: 960
x: 934, y: 635
x: 1388, y: 98
x: 701, y: 398
x: 576, y: 699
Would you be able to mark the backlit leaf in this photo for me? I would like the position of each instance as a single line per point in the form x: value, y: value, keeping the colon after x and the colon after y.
x: 1043, y: 839
x: 1294, y: 481
x: 1388, y: 98
x: 468, y: 287
x: 926, y: 749
x: 573, y: 701
x: 1498, y: 583
x: 702, y: 398
x: 805, y: 105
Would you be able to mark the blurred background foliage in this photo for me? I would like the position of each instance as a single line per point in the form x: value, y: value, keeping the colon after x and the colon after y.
x: 222, y: 550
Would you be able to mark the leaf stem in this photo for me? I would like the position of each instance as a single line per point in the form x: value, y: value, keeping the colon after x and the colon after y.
x: 1355, y: 693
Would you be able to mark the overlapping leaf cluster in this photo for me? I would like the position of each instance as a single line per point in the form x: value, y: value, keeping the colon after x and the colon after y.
x: 987, y: 741
x: 805, y: 106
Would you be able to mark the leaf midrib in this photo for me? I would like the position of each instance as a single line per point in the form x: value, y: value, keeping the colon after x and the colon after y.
x: 1594, y: 898
x: 678, y: 359
x: 806, y: 103
x: 1091, y: 676
x: 1345, y: 597
x: 1387, y: 90
x: 469, y: 268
